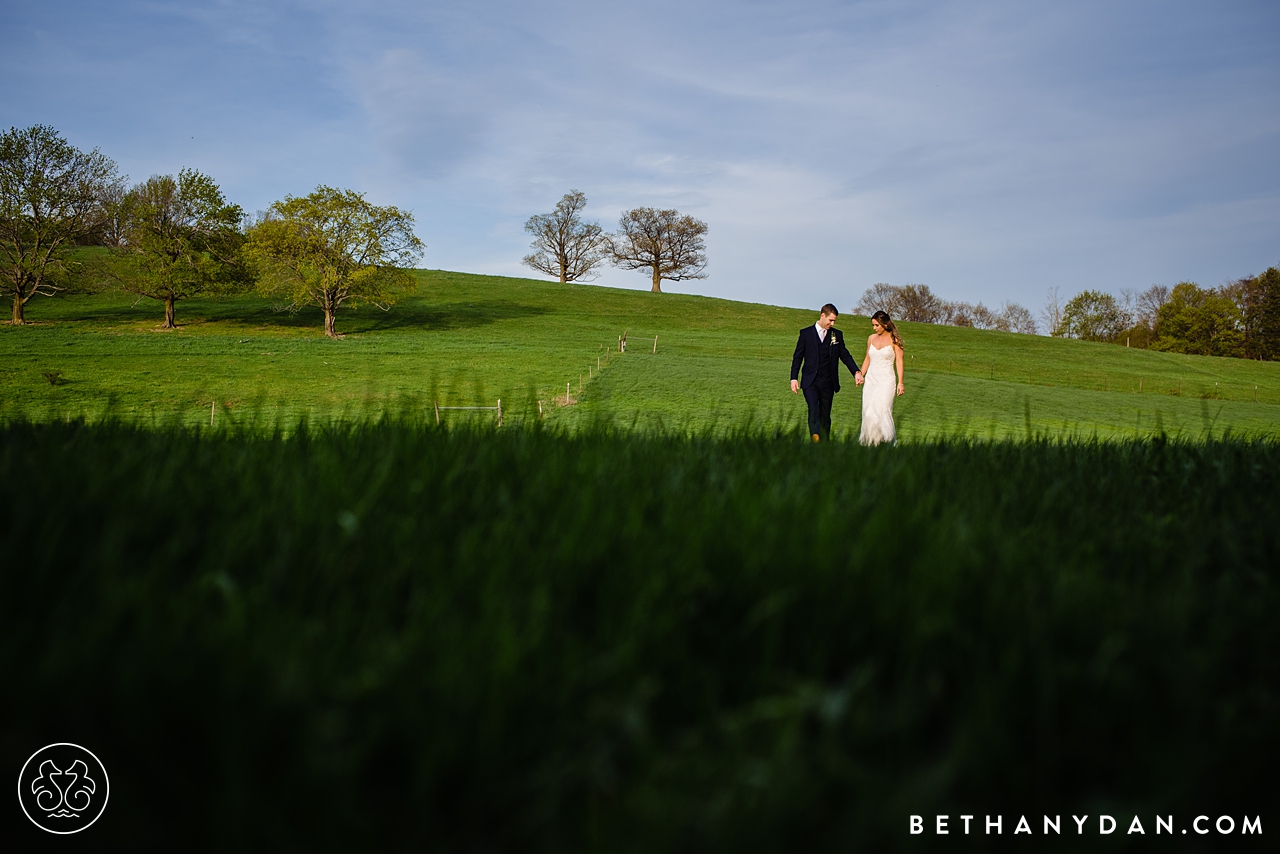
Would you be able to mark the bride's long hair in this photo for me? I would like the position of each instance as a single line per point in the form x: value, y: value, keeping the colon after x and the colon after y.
x: 887, y: 323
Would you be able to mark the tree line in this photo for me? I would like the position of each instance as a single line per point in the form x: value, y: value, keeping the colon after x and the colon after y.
x: 174, y: 237
x: 919, y: 304
x: 1239, y: 319
x: 664, y: 242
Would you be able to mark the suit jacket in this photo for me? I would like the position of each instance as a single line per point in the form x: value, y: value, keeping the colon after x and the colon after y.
x: 807, y: 353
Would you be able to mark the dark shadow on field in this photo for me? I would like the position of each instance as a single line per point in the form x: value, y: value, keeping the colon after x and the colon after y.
x: 197, y: 312
x: 436, y: 318
x: 410, y: 314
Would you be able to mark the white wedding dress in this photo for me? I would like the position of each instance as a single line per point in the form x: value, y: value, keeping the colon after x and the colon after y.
x: 878, y: 390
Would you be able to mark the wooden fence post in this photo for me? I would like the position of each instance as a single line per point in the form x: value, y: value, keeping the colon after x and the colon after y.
x: 499, y: 412
x: 655, y: 342
x: 436, y: 403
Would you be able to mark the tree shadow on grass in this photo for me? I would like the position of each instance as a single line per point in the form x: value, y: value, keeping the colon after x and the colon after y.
x: 200, y: 312
x: 411, y: 314
x: 434, y: 317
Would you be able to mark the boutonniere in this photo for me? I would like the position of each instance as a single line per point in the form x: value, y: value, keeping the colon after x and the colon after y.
x: 835, y: 342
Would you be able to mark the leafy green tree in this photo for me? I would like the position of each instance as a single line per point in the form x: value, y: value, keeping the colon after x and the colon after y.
x: 667, y: 244
x: 179, y: 239
x: 563, y: 244
x: 50, y: 194
x: 332, y: 247
x: 1258, y: 298
x: 1092, y: 316
x: 1199, y: 321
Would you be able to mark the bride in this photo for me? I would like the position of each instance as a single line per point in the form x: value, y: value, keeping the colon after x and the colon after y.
x: 883, y: 360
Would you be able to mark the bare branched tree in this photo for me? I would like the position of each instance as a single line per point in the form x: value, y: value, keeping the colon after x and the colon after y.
x: 881, y: 297
x: 914, y: 303
x: 112, y: 213
x: 1016, y: 318
x: 563, y: 244
x: 662, y: 241
x: 956, y: 313
x: 984, y: 318
x: 919, y: 305
x: 1052, y: 312
x: 1148, y: 304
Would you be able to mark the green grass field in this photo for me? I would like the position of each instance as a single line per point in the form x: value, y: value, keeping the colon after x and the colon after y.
x: 395, y: 637
x: 470, y: 340
x: 653, y: 618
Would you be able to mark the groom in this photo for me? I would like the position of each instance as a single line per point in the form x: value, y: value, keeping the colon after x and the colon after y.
x: 821, y: 348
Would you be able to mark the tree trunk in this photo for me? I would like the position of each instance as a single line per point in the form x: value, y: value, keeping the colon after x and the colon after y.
x: 657, y: 280
x: 18, y: 318
x: 170, y: 313
x: 330, y: 317
x: 563, y: 277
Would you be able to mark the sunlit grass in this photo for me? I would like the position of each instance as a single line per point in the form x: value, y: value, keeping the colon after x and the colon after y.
x: 472, y: 340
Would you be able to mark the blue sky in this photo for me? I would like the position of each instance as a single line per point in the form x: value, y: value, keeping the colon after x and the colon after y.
x: 989, y: 149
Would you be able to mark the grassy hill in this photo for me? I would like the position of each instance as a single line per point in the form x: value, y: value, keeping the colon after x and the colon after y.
x: 469, y: 340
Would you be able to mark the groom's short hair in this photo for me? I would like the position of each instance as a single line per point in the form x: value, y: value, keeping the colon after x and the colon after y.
x: 830, y: 309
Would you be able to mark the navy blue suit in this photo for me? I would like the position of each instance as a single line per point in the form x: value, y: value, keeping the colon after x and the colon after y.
x: 816, y: 364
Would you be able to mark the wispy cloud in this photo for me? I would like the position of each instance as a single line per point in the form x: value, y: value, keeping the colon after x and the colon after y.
x: 990, y: 148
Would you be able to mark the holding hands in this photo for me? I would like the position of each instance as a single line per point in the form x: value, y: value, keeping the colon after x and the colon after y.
x: 857, y: 380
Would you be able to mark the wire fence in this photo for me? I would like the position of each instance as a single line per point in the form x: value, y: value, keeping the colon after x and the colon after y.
x: 497, y: 409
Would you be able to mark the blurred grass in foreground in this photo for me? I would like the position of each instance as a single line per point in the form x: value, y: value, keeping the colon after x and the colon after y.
x: 390, y: 636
